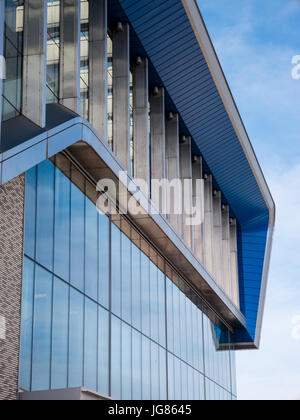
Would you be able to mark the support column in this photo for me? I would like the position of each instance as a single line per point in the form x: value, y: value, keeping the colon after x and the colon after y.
x: 121, y: 89
x: 209, y: 225
x: 198, y: 197
x: 218, y: 254
x: 187, y: 192
x: 234, y: 263
x: 11, y: 263
x: 34, y: 64
x: 158, y: 145
x: 70, y: 55
x: 174, y: 203
x: 98, y: 66
x: 141, y: 121
x: 226, y: 251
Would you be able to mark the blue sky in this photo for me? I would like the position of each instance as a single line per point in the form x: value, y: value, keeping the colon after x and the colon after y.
x: 255, y: 41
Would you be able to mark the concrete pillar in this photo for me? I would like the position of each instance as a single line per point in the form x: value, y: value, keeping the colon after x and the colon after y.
x: 218, y: 251
x: 234, y: 263
x: 2, y: 24
x: 11, y: 263
x: 158, y: 145
x: 185, y: 150
x: 34, y: 64
x: 70, y: 55
x: 209, y: 225
x: 198, y: 197
x: 121, y: 89
x: 98, y: 66
x: 173, y: 193
x: 226, y: 251
x: 141, y: 121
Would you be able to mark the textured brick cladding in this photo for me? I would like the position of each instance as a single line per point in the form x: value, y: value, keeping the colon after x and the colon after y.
x: 11, y: 261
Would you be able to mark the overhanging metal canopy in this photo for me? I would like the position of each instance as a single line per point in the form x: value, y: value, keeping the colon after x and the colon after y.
x: 176, y: 41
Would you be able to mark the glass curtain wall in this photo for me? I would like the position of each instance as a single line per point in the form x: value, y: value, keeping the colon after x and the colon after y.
x: 101, y: 309
x: 84, y: 58
x: 13, y: 53
x: 131, y: 106
x: 110, y: 90
x: 53, y: 50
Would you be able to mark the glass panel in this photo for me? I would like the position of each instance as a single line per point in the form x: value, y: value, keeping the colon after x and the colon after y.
x: 84, y: 58
x: 154, y: 371
x: 190, y: 384
x: 110, y: 90
x: 90, y: 345
x: 13, y: 53
x: 176, y: 314
x: 103, y: 349
x: 116, y: 358
x: 45, y: 214
x: 91, y: 250
x: 189, y: 333
x: 136, y: 365
x: 136, y: 287
x: 126, y: 278
x: 30, y: 213
x: 62, y: 225
x: 162, y: 374
x: 131, y: 126
x: 53, y: 50
x: 170, y: 316
x: 171, y: 378
x: 76, y: 339
x: 104, y: 245
x: 184, y: 381
x: 145, y: 291
x: 126, y: 362
x: 116, y: 270
x: 77, y: 238
x: 177, y: 379
x: 154, y: 301
x: 26, y: 325
x: 42, y: 330
x: 183, y: 334
x: 60, y: 330
x: 146, y: 369
x: 161, y: 308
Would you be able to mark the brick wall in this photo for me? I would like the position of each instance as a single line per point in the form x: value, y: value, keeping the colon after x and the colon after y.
x: 11, y: 258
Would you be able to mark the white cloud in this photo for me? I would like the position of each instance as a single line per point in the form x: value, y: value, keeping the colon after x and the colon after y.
x: 273, y: 372
x: 255, y: 42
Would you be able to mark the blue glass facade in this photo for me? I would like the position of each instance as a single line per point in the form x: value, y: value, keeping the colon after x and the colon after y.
x: 101, y: 309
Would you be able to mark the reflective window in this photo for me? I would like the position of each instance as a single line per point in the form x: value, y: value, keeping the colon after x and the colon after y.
x: 126, y: 362
x: 60, y: 326
x: 136, y: 365
x: 41, y: 349
x: 101, y: 308
x: 76, y: 339
x: 84, y: 58
x: 26, y: 326
x: 103, y: 351
x: 13, y: 53
x: 90, y: 344
x: 53, y: 50
x: 45, y: 214
x: 62, y: 222
x: 110, y: 90
x: 116, y: 358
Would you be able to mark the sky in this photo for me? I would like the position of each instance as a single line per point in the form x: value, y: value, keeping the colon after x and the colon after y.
x: 256, y: 41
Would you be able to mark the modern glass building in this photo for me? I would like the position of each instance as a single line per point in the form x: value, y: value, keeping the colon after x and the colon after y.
x: 97, y: 302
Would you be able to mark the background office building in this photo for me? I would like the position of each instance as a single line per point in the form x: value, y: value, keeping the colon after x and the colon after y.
x: 124, y: 306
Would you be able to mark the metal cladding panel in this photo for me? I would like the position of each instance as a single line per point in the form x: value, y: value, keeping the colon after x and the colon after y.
x: 168, y: 38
